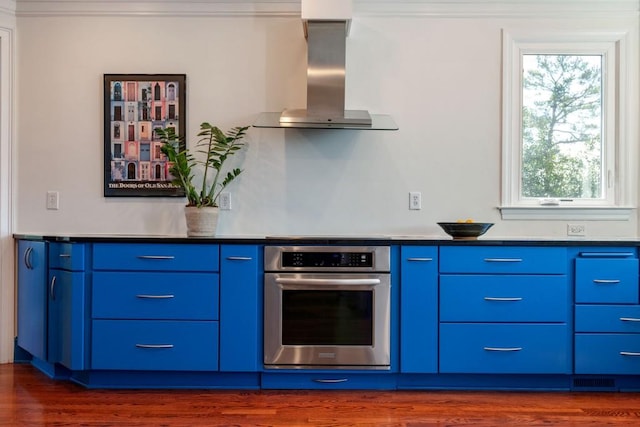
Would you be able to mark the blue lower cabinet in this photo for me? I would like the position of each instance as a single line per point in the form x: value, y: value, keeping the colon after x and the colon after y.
x: 616, y: 354
x: 330, y: 380
x: 155, y: 345
x: 505, y: 348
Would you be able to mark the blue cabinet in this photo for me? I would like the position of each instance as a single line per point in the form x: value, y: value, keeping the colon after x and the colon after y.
x: 419, y: 309
x: 155, y: 307
x: 68, y: 312
x: 32, y: 297
x: 607, y: 312
x: 504, y: 310
x: 241, y: 308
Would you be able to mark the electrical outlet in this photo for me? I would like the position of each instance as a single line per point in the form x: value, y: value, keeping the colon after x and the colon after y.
x: 224, y: 201
x: 576, y: 230
x: 53, y: 200
x: 415, y: 200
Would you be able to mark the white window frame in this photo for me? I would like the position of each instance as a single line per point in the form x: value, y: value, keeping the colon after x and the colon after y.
x: 618, y: 154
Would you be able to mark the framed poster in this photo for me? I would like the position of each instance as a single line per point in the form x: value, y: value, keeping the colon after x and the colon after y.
x: 134, y: 106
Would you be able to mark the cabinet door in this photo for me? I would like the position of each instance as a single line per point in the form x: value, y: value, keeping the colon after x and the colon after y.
x: 419, y: 309
x: 241, y: 308
x: 67, y: 319
x: 32, y: 298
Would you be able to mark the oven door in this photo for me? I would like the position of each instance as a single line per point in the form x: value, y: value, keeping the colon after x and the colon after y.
x: 327, y: 320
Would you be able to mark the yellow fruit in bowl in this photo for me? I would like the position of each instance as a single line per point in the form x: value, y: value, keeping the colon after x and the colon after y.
x: 469, y: 221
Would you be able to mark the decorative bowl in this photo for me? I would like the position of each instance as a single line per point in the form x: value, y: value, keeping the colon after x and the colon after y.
x: 465, y: 230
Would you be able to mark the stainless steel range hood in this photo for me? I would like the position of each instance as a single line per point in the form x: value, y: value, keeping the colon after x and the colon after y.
x: 326, y: 46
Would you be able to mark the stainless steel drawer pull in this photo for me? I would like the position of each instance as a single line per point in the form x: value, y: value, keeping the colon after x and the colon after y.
x: 154, y: 345
x: 155, y: 296
x: 606, y: 281
x: 239, y: 258
x: 503, y: 259
x: 629, y: 353
x: 502, y: 298
x: 65, y: 255
x: 419, y: 259
x: 503, y: 348
x: 156, y: 257
x: 630, y: 319
x: 332, y: 381
x: 607, y: 254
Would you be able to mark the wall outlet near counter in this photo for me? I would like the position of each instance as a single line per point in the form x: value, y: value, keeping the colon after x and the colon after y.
x: 224, y: 201
x: 415, y: 200
x: 576, y: 230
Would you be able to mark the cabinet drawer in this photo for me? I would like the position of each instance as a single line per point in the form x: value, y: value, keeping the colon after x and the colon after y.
x: 503, y: 259
x: 155, y: 257
x: 607, y: 280
x: 138, y: 295
x: 504, y: 348
x: 607, y: 354
x: 490, y: 298
x: 66, y: 256
x: 154, y: 345
x: 608, y: 318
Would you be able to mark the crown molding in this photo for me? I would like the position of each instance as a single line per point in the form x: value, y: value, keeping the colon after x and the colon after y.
x: 8, y: 7
x: 435, y: 8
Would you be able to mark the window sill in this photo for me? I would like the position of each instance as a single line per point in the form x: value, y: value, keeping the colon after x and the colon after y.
x: 607, y: 213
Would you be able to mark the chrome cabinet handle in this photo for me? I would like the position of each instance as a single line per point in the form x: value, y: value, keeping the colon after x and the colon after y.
x: 502, y: 298
x: 65, y: 255
x: 419, y: 259
x: 606, y: 254
x: 331, y: 381
x: 143, y: 296
x: 154, y: 345
x: 503, y: 260
x: 156, y: 257
x: 606, y: 281
x: 27, y: 258
x: 502, y: 348
x: 629, y: 353
x: 630, y: 319
x: 52, y: 288
x: 239, y: 258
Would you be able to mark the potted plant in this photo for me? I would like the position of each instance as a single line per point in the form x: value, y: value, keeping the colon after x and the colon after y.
x: 202, y: 187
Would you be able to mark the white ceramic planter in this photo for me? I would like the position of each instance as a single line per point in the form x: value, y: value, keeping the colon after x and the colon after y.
x: 201, y: 222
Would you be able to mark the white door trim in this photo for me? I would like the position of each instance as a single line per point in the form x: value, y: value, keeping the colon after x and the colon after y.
x: 7, y: 245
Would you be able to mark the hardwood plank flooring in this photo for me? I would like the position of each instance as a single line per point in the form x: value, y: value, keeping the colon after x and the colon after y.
x: 29, y: 398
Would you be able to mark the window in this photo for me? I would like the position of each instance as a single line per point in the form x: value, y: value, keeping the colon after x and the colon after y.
x: 565, y: 148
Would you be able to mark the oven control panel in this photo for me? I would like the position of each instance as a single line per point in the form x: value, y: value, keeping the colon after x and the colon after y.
x: 327, y: 259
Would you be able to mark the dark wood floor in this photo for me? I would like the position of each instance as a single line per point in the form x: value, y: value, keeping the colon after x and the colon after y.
x: 28, y: 398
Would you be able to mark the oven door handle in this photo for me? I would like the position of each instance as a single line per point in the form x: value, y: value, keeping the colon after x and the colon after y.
x: 329, y: 282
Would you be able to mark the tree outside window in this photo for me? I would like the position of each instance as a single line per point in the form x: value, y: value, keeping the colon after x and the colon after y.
x: 562, y: 126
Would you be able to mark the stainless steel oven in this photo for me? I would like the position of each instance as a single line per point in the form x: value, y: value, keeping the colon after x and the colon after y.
x: 327, y: 307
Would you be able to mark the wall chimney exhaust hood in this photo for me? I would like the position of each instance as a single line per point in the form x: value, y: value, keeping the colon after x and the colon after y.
x: 326, y: 26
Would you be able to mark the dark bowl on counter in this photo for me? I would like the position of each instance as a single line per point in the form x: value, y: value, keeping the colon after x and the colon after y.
x: 465, y: 230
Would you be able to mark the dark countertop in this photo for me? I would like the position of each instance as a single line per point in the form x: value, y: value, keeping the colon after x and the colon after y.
x: 332, y: 240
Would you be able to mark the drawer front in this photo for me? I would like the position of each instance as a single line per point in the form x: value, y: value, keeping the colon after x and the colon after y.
x: 617, y: 354
x: 506, y: 298
x: 503, y: 259
x: 607, y: 281
x: 608, y: 318
x: 138, y: 295
x: 504, y: 348
x: 154, y: 345
x: 67, y: 256
x: 155, y: 257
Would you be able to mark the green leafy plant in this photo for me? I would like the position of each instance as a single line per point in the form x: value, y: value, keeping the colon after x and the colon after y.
x: 214, y: 147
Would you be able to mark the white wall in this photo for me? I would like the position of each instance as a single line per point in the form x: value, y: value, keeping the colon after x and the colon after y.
x: 437, y: 74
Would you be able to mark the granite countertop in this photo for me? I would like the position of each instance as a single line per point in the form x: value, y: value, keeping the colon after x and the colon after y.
x: 330, y: 239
